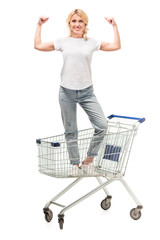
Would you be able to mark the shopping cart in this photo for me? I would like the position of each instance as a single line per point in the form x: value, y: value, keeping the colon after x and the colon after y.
x: 110, y: 163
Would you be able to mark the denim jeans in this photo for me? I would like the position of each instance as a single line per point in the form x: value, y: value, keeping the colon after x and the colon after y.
x: 86, y: 98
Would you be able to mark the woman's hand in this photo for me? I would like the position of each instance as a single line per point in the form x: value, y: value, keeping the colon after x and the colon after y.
x: 111, y: 20
x: 42, y: 20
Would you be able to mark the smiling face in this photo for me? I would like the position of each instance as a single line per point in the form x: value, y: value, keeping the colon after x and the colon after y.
x: 77, y: 26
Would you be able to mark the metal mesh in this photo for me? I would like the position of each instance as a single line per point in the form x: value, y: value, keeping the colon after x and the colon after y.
x: 112, y: 156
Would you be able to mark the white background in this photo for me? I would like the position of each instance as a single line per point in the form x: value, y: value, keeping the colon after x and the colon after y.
x: 125, y: 83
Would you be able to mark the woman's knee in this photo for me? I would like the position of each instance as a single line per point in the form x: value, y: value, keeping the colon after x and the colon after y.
x: 104, y: 125
x: 102, y: 128
x: 71, y: 135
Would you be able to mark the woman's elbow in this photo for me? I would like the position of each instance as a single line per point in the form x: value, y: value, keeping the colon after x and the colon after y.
x: 36, y: 47
x: 118, y: 47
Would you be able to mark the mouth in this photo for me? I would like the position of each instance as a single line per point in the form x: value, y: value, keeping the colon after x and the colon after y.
x: 77, y: 29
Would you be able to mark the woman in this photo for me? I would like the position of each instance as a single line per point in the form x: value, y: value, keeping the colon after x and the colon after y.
x: 76, y: 81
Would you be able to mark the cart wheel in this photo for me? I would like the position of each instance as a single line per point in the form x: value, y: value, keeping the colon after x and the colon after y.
x: 106, y: 203
x: 61, y: 220
x: 135, y: 213
x: 48, y: 214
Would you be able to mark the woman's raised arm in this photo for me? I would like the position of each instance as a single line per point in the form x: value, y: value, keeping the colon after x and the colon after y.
x: 48, y: 46
x: 116, y: 45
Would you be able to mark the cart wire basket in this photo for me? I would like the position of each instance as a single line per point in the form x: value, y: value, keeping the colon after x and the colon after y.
x: 110, y: 162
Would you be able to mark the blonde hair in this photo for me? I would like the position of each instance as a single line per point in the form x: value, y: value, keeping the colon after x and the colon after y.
x: 83, y: 15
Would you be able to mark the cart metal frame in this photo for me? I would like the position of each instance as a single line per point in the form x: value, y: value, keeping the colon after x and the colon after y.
x: 111, y: 163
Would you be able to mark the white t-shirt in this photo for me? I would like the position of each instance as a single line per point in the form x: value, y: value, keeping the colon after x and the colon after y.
x: 77, y: 56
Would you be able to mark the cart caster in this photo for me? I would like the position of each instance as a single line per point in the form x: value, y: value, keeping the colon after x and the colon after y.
x: 135, y: 213
x: 61, y: 220
x: 48, y: 214
x: 106, y: 203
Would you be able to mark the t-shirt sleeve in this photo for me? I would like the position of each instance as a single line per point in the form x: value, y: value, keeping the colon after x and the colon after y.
x: 96, y: 44
x: 58, y: 44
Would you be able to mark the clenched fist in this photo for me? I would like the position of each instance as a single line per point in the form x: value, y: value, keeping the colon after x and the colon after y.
x: 42, y: 20
x: 111, y: 20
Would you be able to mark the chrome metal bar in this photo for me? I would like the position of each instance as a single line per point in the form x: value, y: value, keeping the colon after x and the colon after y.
x: 100, y: 182
x: 62, y: 192
x: 129, y: 191
x: 58, y: 204
x: 86, y: 196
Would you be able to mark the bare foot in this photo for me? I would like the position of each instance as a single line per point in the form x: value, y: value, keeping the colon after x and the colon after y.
x: 88, y: 160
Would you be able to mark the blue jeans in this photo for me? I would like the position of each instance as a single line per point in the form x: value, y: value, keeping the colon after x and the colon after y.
x: 68, y: 100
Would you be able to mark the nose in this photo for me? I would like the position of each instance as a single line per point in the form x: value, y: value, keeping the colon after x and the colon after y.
x: 77, y: 24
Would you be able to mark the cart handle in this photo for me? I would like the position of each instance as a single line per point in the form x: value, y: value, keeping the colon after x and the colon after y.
x: 140, y: 120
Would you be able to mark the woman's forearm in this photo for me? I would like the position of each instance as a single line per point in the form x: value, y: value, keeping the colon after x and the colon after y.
x: 117, y: 41
x: 37, y: 39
